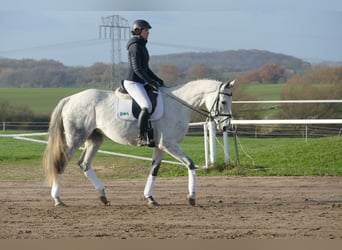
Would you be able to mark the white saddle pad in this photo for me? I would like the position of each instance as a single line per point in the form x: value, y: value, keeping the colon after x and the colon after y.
x: 125, y: 112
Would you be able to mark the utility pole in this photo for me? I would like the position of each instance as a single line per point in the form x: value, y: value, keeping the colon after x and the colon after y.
x: 115, y: 28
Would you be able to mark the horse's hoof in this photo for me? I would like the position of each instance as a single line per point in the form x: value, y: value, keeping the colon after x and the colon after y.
x: 104, y: 200
x: 191, y: 199
x: 151, y: 202
x: 59, y: 202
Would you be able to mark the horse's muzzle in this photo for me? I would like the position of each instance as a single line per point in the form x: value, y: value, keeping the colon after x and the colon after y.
x: 225, y: 124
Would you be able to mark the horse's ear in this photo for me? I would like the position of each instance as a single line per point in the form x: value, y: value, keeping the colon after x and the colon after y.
x: 229, y: 84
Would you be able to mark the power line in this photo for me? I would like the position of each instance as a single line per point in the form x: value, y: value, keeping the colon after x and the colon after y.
x: 114, y: 28
x: 63, y: 45
x: 186, y: 47
x: 95, y: 41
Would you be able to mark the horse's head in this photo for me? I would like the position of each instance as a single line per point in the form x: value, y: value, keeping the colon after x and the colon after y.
x: 220, y: 105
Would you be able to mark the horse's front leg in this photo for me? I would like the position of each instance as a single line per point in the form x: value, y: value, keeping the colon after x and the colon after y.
x: 148, y: 191
x: 176, y: 151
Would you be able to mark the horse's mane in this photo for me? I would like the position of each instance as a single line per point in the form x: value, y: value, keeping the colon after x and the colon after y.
x: 198, y: 83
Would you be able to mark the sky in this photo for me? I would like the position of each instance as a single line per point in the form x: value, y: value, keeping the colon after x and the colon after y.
x: 68, y: 30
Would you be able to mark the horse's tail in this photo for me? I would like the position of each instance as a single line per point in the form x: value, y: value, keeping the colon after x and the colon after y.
x: 55, y: 158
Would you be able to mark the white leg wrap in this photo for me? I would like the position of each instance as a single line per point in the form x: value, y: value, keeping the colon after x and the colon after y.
x: 56, y: 187
x: 94, y: 179
x: 149, y: 185
x: 192, y: 181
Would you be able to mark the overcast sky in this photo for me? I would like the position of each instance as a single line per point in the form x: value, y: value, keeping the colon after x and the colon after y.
x: 68, y: 30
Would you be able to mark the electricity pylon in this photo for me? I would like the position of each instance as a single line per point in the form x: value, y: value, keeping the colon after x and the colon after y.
x: 115, y: 28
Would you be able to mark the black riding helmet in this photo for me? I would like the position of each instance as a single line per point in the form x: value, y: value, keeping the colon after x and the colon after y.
x: 138, y: 26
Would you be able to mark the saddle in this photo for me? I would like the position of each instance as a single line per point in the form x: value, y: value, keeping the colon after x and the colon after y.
x: 128, y: 108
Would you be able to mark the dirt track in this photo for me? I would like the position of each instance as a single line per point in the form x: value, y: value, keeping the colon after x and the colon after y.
x: 228, y: 207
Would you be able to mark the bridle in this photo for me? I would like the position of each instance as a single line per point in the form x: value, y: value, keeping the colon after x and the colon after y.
x: 216, y: 105
x: 214, y: 112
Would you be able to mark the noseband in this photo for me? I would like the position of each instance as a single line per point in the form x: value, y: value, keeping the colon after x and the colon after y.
x: 214, y: 111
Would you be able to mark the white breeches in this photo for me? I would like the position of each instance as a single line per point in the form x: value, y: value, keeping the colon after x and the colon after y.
x: 137, y: 91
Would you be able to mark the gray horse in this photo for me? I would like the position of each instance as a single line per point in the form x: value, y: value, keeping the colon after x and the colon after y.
x: 91, y: 115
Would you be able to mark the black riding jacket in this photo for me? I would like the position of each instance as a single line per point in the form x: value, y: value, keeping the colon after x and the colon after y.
x: 138, y: 58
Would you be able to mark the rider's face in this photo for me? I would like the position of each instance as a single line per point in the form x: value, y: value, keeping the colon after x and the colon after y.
x: 144, y: 34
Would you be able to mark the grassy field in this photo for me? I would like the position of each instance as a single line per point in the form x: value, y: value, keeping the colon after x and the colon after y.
x: 43, y: 100
x: 39, y: 100
x: 266, y: 91
x: 21, y: 160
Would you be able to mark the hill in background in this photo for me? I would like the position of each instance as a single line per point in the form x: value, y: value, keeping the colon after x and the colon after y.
x: 231, y: 60
x: 50, y: 73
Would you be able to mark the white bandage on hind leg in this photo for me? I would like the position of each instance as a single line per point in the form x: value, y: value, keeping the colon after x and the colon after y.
x: 56, y: 187
x: 192, y: 180
x: 149, y: 186
x: 94, y: 179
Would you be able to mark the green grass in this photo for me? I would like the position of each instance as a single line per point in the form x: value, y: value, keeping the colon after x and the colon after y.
x: 21, y: 160
x: 293, y: 157
x: 38, y: 100
x: 266, y: 91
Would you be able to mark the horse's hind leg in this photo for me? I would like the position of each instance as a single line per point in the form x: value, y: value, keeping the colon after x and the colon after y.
x: 92, y: 145
x: 55, y: 191
x: 71, y: 148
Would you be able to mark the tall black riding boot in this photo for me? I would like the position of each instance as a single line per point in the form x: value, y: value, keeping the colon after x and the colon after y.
x: 143, y: 126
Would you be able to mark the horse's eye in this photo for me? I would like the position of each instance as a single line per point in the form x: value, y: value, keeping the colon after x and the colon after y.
x: 223, y: 102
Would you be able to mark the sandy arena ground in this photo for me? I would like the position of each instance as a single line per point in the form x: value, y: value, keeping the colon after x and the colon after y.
x: 227, y: 208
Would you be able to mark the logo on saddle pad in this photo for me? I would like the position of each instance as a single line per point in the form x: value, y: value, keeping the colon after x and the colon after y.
x: 128, y: 109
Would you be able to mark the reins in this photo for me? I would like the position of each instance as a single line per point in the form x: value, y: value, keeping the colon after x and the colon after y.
x: 201, y: 111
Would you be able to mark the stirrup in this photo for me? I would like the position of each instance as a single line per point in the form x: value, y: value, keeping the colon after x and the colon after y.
x: 151, y: 143
x: 142, y: 141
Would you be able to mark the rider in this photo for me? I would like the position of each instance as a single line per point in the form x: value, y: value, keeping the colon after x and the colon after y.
x: 139, y: 74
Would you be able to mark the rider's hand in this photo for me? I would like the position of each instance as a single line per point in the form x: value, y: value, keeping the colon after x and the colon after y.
x: 154, y: 84
x: 161, y: 82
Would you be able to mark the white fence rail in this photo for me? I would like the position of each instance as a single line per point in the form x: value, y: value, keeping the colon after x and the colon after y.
x: 288, y: 121
x: 289, y: 101
x: 209, y: 130
x: 210, y: 136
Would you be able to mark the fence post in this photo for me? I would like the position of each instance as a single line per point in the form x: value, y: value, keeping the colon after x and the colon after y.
x: 236, y: 148
x: 3, y: 126
x: 226, y: 147
x: 205, y: 131
x: 212, y: 141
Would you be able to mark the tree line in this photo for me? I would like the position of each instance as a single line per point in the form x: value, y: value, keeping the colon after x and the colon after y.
x: 172, y: 68
x: 319, y: 83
